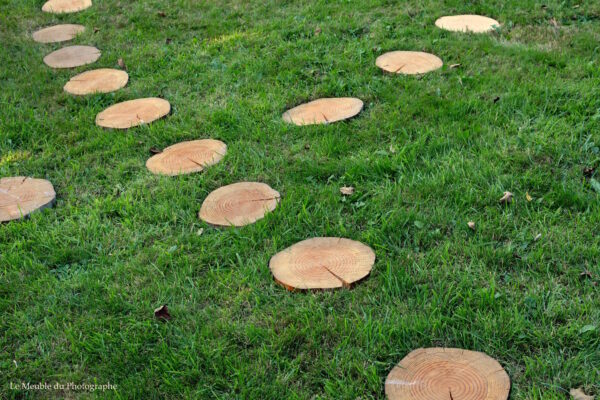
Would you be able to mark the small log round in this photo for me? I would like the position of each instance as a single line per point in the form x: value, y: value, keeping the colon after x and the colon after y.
x: 65, y: 6
x: 239, y: 204
x: 187, y: 157
x: 444, y: 374
x: 324, y: 111
x: 57, y: 33
x: 467, y: 23
x: 322, y: 263
x: 133, y: 113
x: 104, y: 80
x: 408, y: 62
x: 20, y: 196
x: 72, y: 56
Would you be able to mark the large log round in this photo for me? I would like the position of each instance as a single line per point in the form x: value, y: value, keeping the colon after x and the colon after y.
x: 133, y: 113
x: 65, y: 6
x: 324, y: 111
x: 20, y: 196
x: 187, y: 157
x: 72, y: 56
x: 104, y: 80
x: 57, y: 33
x: 408, y: 62
x: 467, y: 23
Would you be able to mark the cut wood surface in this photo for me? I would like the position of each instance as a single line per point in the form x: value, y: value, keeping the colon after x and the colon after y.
x: 20, y: 196
x: 239, y: 204
x: 324, y: 111
x: 467, y: 23
x: 133, y: 113
x: 66, y: 6
x: 444, y: 374
x: 187, y: 157
x: 408, y: 62
x: 72, y: 56
x: 102, y: 80
x: 322, y: 263
x: 57, y: 33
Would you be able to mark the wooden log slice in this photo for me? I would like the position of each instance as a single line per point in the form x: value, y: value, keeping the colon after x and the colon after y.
x: 444, y: 374
x: 187, y: 157
x: 133, y: 113
x: 324, y: 111
x: 102, y: 80
x: 408, y: 62
x: 65, y: 6
x: 57, y: 33
x: 72, y: 56
x: 239, y: 204
x: 20, y: 196
x: 322, y: 263
x: 467, y: 23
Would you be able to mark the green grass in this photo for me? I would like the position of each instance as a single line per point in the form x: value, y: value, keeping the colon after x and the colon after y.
x: 79, y: 282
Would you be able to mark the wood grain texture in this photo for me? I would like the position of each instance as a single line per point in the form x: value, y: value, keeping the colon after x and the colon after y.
x: 133, y: 113
x: 187, y: 157
x: 20, y: 196
x: 104, y: 80
x: 65, y: 6
x: 72, y: 56
x: 408, y: 62
x: 322, y: 263
x: 324, y: 111
x: 57, y: 33
x: 467, y: 23
x: 239, y: 204
x: 446, y: 373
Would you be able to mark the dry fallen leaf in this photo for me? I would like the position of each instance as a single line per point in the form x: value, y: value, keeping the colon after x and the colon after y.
x: 507, y: 198
x: 454, y: 66
x: 162, y: 312
x: 121, y: 64
x: 317, y: 31
x: 528, y: 196
x: 588, y: 172
x: 586, y: 274
x: 553, y: 22
x: 347, y: 190
x: 162, y: 14
x: 168, y: 40
x: 578, y: 394
x: 471, y: 225
x: 154, y: 150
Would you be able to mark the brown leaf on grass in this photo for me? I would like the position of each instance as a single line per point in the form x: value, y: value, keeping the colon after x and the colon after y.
x: 347, y: 190
x: 578, y: 394
x: 162, y: 312
x: 154, y: 150
x: 452, y: 66
x: 168, y: 40
x: 121, y: 64
x: 162, y: 14
x: 528, y: 196
x: 507, y: 198
x: 307, y: 146
x: 586, y: 274
x: 471, y: 225
x: 553, y: 22
x: 317, y: 31
x: 96, y: 30
x: 588, y: 171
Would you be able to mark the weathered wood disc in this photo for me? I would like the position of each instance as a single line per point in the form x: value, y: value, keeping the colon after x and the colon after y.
x: 72, y: 56
x: 133, y: 113
x: 66, y: 6
x: 102, y: 80
x: 57, y: 33
x: 467, y: 23
x: 187, y: 157
x: 239, y: 204
x: 322, y: 263
x: 324, y: 111
x: 20, y: 196
x: 408, y: 62
x: 443, y: 374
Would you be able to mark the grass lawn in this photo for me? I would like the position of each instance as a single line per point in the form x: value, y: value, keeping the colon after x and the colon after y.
x: 79, y: 282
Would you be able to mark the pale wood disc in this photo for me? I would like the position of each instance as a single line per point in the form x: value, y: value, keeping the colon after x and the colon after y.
x: 57, y: 33
x: 20, y: 196
x: 66, y: 6
x: 133, y: 113
x: 322, y: 263
x: 72, y: 56
x: 102, y: 80
x: 324, y: 111
x: 467, y: 23
x: 444, y: 373
x: 187, y: 157
x: 408, y: 62
x: 239, y: 204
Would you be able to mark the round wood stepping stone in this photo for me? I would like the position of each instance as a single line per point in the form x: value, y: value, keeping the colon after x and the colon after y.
x: 187, y: 157
x: 57, y: 33
x: 239, y: 204
x: 322, y: 263
x: 66, y: 6
x: 444, y: 374
x: 72, y: 56
x: 102, y: 80
x: 133, y: 113
x: 324, y: 111
x: 408, y: 62
x: 20, y: 196
x: 467, y: 23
